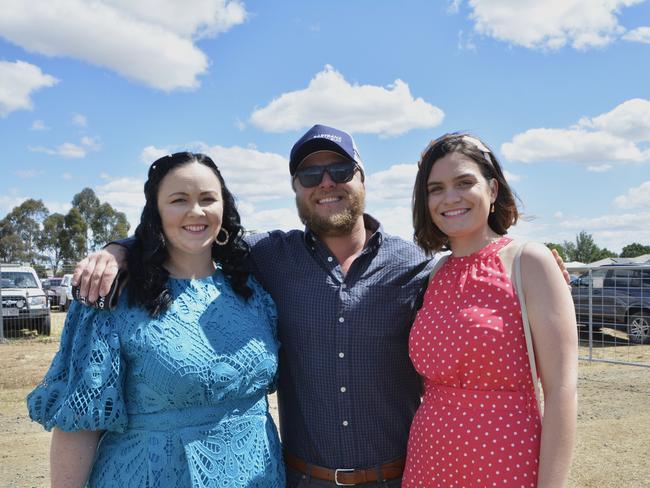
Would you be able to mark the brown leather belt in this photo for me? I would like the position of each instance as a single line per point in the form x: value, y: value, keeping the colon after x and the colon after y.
x: 344, y: 476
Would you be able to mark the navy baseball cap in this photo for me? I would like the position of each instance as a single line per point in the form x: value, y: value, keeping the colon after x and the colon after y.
x: 323, y: 138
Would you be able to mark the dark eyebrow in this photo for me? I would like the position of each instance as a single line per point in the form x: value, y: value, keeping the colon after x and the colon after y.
x: 182, y: 193
x: 460, y: 177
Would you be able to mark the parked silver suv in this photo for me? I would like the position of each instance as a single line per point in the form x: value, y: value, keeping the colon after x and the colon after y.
x: 24, y: 302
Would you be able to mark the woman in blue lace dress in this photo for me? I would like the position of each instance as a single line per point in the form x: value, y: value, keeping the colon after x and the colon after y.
x: 169, y: 388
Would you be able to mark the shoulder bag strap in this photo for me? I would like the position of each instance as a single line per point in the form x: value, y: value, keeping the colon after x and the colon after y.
x: 436, y: 267
x: 524, y: 317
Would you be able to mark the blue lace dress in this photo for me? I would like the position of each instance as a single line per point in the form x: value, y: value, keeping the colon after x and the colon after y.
x: 181, y: 397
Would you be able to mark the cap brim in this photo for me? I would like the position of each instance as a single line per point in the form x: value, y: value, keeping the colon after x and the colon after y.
x: 312, y: 146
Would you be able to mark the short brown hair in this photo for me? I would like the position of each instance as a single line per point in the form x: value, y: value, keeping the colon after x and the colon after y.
x: 425, y: 233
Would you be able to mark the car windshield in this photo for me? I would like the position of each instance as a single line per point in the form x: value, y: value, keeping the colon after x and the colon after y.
x: 18, y: 279
x: 54, y: 282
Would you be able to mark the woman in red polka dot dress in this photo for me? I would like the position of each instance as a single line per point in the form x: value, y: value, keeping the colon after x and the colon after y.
x: 479, y: 424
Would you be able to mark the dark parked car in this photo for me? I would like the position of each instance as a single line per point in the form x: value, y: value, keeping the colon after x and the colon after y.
x: 620, y: 299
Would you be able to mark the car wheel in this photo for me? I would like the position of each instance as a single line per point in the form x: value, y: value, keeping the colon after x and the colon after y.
x: 44, y: 328
x: 638, y: 328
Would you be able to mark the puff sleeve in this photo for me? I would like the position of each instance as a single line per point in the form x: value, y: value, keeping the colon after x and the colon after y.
x: 83, y: 389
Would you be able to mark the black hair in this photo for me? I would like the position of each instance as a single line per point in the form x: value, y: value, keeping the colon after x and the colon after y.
x: 147, y: 274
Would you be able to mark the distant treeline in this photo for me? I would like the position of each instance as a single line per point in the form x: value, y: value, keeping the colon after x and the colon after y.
x: 31, y: 234
x: 585, y: 250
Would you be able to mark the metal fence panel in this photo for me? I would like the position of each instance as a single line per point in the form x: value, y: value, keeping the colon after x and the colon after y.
x: 613, y: 311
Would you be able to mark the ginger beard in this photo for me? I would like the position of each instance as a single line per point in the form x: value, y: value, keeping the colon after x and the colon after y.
x: 335, y: 224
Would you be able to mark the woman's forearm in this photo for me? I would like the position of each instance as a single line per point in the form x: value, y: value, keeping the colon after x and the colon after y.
x: 71, y: 457
x: 558, y: 437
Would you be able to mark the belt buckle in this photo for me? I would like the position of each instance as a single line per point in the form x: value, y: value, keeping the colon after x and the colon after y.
x: 342, y: 470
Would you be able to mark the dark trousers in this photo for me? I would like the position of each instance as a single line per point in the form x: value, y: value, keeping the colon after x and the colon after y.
x: 296, y: 479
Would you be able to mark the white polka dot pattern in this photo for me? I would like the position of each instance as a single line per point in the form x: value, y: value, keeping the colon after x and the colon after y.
x: 478, y: 424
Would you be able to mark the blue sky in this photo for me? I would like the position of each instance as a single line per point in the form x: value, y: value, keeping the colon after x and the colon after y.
x: 93, y: 92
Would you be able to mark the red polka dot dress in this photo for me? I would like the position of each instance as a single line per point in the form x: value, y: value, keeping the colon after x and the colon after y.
x: 478, y: 424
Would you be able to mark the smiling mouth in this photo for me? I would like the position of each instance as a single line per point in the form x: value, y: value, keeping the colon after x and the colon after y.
x: 455, y: 213
x: 328, y: 200
x: 195, y: 229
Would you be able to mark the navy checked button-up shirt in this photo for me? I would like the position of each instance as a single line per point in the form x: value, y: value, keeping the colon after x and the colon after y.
x: 347, y: 390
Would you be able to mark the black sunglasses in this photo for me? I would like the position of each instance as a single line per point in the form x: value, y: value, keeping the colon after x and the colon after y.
x: 339, y: 172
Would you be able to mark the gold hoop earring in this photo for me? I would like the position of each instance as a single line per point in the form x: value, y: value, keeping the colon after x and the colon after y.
x: 224, y: 240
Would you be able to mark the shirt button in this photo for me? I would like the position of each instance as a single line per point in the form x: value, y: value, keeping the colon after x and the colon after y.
x: 341, y: 319
x: 330, y: 259
x: 341, y: 354
x: 343, y: 389
x: 345, y: 423
x: 344, y: 286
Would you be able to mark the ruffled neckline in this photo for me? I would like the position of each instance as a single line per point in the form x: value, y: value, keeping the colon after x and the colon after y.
x: 195, y: 281
x: 485, y: 251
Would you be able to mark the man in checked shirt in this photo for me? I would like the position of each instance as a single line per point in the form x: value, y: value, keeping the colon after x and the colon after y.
x: 346, y: 294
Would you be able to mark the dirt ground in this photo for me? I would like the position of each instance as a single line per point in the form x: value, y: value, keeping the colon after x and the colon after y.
x: 612, y: 451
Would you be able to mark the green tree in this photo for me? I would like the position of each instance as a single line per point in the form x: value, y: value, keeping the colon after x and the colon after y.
x: 585, y: 249
x: 74, y: 236
x: 635, y: 249
x: 108, y: 225
x: 20, y: 230
x: 11, y: 247
x: 559, y: 248
x: 103, y: 223
x: 51, y: 241
x: 87, y: 202
x: 604, y: 253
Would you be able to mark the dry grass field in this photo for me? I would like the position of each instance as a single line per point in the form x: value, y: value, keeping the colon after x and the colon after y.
x: 612, y: 451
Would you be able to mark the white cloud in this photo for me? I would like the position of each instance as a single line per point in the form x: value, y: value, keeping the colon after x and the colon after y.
x: 66, y: 176
x: 18, y: 81
x: 332, y: 100
x: 638, y: 197
x: 397, y: 220
x: 283, y: 218
x: 551, y: 24
x: 629, y: 120
x: 149, y: 41
x: 511, y: 177
x: 151, y: 153
x: 66, y: 150
x: 39, y: 125
x: 453, y: 6
x: 91, y: 143
x: 617, y: 137
x: 612, y: 231
x: 28, y: 173
x: 640, y: 34
x: 126, y: 195
x: 251, y: 174
x: 394, y: 184
x: 58, y: 207
x: 70, y: 150
x: 601, y: 168
x: 630, y: 222
x: 9, y: 200
x: 79, y: 120
x: 466, y: 42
